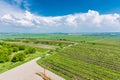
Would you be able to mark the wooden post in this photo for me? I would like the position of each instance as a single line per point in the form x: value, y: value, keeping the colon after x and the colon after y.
x: 44, y: 75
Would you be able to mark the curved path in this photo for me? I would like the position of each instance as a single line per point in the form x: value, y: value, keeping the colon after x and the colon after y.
x: 28, y: 71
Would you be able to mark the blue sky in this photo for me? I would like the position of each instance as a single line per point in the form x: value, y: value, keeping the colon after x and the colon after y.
x: 64, y: 7
x: 42, y: 16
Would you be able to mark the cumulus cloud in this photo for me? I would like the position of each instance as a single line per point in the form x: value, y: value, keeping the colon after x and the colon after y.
x: 79, y: 22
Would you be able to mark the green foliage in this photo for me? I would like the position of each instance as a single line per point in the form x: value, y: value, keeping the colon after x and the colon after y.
x: 21, y: 47
x: 18, y: 57
x: 4, y: 55
x: 30, y: 50
x: 15, y: 49
x: 6, y: 50
x: 52, y: 42
x: 86, y: 61
x: 10, y: 59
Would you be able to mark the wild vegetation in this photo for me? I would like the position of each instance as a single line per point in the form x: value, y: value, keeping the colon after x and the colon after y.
x: 14, y: 52
x: 12, y: 55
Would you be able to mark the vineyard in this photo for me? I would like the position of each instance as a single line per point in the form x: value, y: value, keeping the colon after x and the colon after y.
x: 96, y: 60
x: 73, y: 57
x: 14, y: 52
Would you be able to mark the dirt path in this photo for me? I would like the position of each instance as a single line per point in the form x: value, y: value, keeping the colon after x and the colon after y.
x: 28, y: 71
x: 37, y: 45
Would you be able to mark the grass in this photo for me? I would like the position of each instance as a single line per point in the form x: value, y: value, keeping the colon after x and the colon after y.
x: 86, y: 61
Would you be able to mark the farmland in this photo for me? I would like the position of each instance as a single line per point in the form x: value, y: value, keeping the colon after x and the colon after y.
x: 14, y: 52
x: 79, y: 57
x: 97, y: 59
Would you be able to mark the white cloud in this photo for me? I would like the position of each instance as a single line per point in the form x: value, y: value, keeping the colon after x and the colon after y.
x: 7, y: 17
x: 90, y: 21
x: 7, y: 8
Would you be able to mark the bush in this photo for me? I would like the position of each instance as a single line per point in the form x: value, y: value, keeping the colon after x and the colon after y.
x: 15, y: 49
x: 93, y: 43
x: 18, y: 57
x: 26, y: 41
x: 21, y: 47
x: 3, y: 56
x: 10, y: 51
x: 30, y: 50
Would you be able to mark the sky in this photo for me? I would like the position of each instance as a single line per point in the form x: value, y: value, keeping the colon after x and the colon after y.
x: 65, y: 16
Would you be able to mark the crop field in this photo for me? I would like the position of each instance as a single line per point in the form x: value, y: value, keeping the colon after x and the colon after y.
x: 14, y: 52
x: 64, y: 37
x: 74, y: 57
x: 97, y: 59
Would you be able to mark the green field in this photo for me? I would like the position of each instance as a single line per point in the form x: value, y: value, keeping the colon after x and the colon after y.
x: 97, y: 59
x: 74, y: 57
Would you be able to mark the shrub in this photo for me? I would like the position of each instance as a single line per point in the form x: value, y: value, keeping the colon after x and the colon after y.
x: 18, y: 57
x: 93, y: 43
x: 15, y: 49
x: 30, y: 50
x: 26, y: 41
x: 10, y: 51
x: 21, y: 47
x: 3, y: 56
